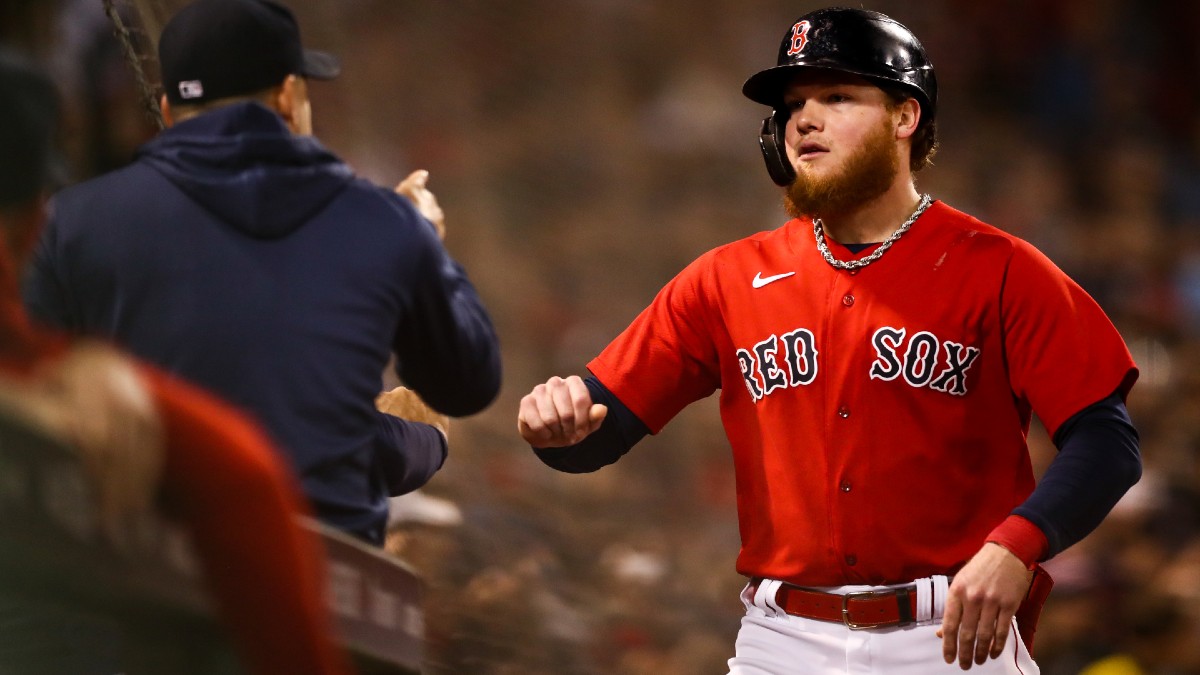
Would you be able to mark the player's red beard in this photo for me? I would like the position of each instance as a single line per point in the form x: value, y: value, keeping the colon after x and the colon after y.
x: 867, y: 173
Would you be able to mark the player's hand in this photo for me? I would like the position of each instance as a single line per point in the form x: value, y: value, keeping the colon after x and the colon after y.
x: 980, y: 606
x: 94, y: 400
x: 407, y: 404
x: 559, y: 413
x: 414, y: 188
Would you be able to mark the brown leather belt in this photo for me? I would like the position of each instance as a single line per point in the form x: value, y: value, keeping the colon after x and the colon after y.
x: 866, y: 609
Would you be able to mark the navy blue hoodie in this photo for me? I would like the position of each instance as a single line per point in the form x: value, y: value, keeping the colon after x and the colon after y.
x: 253, y: 262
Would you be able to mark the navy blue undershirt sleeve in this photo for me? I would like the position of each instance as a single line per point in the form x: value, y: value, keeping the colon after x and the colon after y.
x: 407, y: 453
x: 1098, y: 461
x: 619, y: 431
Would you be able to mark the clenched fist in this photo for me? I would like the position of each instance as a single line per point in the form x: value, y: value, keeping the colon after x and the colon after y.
x: 559, y: 413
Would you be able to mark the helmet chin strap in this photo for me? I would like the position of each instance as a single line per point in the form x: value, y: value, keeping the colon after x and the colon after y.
x: 774, y: 149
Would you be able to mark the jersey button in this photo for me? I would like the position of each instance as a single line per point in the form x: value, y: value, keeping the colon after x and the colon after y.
x: 845, y: 486
x: 851, y: 560
x: 843, y: 412
x: 847, y: 300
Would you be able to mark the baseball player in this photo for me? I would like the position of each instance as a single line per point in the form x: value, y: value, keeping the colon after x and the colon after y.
x: 879, y: 357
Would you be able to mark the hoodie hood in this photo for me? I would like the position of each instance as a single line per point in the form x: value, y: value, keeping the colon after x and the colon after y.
x: 243, y: 164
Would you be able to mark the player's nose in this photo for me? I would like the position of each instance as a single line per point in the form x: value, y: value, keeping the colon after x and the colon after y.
x: 805, y: 118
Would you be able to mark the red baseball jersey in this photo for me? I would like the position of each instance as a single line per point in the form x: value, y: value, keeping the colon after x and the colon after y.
x: 877, y: 417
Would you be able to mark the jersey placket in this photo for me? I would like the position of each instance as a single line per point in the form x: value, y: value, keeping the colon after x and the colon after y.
x: 843, y: 332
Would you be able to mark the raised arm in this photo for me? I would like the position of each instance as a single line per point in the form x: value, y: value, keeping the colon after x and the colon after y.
x: 448, y: 351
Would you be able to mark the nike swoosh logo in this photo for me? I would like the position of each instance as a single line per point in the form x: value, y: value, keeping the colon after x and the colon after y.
x: 760, y: 280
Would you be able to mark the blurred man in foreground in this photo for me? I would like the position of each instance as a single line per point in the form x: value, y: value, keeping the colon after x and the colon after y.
x: 148, y: 441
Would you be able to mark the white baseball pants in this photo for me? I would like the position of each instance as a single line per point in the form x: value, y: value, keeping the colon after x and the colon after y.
x: 771, y: 642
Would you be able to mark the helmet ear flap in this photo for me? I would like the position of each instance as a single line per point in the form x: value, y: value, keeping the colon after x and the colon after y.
x: 774, y: 149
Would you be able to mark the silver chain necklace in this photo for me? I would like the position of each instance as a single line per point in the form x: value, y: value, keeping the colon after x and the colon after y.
x: 819, y: 232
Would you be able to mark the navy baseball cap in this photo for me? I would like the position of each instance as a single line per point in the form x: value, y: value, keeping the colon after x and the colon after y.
x: 214, y: 49
x: 29, y: 113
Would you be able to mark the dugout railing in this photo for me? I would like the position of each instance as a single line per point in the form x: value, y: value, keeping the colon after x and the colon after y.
x: 143, y: 601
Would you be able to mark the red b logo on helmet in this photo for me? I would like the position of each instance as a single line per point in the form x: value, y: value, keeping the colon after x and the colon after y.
x: 799, y: 37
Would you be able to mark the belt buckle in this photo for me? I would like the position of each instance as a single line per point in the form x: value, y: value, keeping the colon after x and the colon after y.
x: 846, y: 610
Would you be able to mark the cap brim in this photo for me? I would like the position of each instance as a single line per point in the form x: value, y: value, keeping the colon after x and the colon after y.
x: 321, y: 66
x: 767, y: 86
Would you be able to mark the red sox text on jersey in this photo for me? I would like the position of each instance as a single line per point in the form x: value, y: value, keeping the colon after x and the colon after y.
x: 790, y: 360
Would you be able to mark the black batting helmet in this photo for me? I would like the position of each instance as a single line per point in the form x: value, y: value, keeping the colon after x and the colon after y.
x: 856, y: 41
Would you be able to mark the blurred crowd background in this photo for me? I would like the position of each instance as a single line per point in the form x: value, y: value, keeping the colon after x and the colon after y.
x: 586, y: 150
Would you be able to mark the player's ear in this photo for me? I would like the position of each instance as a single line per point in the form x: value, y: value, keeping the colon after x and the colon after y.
x: 290, y: 100
x: 281, y: 99
x: 908, y: 118
x: 168, y: 116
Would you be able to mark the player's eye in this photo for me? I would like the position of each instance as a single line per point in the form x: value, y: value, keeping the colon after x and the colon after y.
x: 837, y: 97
